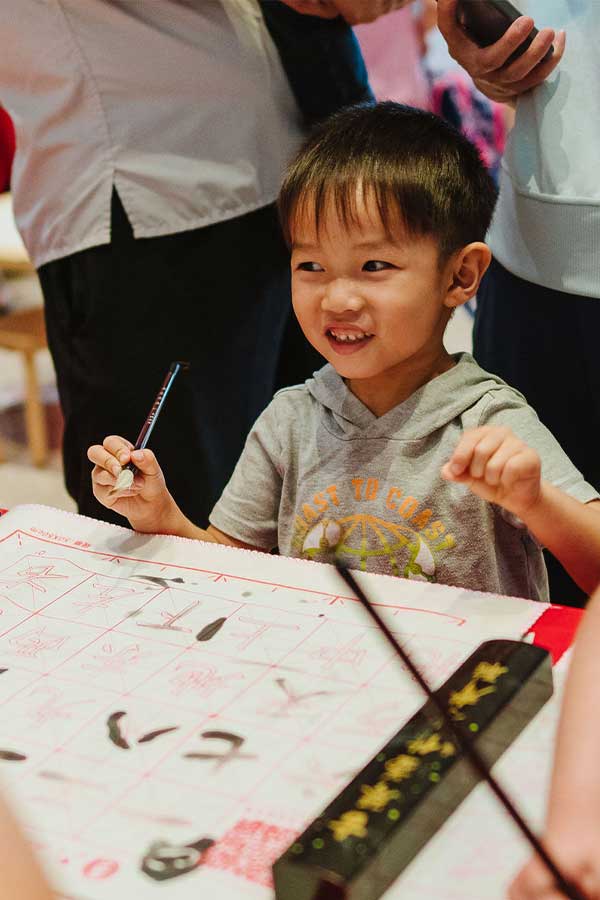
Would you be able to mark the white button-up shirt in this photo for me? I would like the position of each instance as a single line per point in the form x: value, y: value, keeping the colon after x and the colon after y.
x: 182, y: 105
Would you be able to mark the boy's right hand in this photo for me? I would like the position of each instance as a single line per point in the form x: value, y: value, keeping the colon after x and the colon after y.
x: 147, y: 504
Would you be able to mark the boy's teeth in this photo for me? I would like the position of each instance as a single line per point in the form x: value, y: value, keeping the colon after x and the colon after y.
x: 341, y: 336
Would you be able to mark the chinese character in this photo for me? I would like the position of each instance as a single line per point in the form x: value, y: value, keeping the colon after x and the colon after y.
x: 432, y: 743
x: 467, y: 696
x: 233, y: 752
x: 376, y: 797
x: 401, y: 767
x: 489, y: 672
x: 350, y: 824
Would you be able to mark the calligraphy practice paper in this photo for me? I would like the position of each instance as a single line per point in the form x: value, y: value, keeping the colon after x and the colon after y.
x: 173, y: 713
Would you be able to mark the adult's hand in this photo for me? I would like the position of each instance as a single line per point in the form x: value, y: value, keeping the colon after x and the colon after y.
x: 487, y: 65
x: 577, y: 856
x: 354, y: 12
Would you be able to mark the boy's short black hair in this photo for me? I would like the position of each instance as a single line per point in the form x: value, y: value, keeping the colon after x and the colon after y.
x: 420, y: 170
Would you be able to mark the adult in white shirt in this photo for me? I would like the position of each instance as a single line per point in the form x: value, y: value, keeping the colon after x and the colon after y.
x: 151, y: 138
x: 538, y: 316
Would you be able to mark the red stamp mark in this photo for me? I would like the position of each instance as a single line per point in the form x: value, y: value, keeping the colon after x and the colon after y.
x: 99, y: 869
x: 249, y: 849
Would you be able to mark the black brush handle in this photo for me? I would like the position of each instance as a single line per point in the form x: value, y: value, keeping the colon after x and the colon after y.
x: 566, y: 886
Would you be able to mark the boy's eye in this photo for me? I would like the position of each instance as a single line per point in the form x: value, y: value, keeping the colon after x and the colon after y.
x: 376, y: 265
x: 309, y: 267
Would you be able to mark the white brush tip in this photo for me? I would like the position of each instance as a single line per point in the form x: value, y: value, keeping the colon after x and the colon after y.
x: 124, y: 480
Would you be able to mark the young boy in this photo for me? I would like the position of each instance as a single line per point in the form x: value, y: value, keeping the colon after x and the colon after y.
x: 396, y: 456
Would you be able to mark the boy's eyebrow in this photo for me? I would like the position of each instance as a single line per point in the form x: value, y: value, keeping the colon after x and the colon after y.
x: 373, y: 245
x: 360, y: 245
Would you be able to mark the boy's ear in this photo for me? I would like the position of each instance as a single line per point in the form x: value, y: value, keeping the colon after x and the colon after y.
x: 466, y: 269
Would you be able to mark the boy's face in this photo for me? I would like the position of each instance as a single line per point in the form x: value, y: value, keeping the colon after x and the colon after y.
x: 375, y: 308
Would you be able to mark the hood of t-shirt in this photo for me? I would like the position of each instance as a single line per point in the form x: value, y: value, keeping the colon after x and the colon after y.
x: 432, y: 406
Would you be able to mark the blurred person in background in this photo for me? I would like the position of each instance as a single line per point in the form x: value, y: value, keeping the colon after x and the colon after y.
x: 151, y: 139
x: 538, y: 315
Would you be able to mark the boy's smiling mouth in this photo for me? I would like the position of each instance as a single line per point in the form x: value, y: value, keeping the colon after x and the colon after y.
x: 347, y: 340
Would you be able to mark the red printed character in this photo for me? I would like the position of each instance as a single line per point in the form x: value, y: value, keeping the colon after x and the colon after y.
x: 99, y: 869
x: 249, y: 849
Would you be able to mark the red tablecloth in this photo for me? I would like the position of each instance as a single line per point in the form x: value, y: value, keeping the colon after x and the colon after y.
x: 555, y: 629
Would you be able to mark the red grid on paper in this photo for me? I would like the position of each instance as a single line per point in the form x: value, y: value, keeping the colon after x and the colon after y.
x: 248, y: 849
x: 220, y: 576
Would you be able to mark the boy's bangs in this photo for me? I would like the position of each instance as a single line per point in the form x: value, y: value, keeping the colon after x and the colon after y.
x: 345, y: 201
x: 404, y: 167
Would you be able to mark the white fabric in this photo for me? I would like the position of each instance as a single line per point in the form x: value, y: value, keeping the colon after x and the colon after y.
x: 547, y: 225
x: 181, y: 104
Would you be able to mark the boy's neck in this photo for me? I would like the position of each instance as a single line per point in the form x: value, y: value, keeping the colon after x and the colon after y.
x: 393, y: 387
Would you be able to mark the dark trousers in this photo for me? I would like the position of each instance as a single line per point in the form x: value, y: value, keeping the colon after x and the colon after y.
x: 321, y: 58
x: 118, y: 314
x: 545, y: 343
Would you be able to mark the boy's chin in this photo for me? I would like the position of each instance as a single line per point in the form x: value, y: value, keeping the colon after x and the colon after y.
x: 353, y: 371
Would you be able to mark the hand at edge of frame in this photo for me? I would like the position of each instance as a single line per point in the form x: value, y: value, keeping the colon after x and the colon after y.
x: 580, y: 864
x: 487, y: 65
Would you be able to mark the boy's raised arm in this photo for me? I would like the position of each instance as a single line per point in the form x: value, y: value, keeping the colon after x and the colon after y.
x: 571, y: 531
x: 497, y: 466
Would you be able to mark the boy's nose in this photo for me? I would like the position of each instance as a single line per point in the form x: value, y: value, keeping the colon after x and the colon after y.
x: 341, y: 295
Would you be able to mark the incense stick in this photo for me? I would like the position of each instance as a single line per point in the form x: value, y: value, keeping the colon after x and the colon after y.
x: 566, y: 886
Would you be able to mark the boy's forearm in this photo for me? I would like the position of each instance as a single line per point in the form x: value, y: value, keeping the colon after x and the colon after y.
x: 167, y: 518
x: 176, y: 523
x: 571, y: 531
x: 173, y: 521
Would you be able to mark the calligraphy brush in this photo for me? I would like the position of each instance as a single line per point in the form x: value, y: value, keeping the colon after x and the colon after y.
x: 567, y: 887
x: 127, y: 473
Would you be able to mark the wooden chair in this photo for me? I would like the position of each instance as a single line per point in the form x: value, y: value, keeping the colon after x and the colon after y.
x: 13, y: 255
x: 24, y: 332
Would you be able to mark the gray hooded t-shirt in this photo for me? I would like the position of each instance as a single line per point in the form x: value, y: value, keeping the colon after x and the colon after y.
x: 321, y: 475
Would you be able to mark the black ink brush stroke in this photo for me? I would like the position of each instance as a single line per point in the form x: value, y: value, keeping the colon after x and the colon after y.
x: 164, y: 861
x: 114, y: 731
x: 163, y: 582
x: 11, y: 756
x: 154, y: 734
x: 234, y: 739
x: 210, y: 630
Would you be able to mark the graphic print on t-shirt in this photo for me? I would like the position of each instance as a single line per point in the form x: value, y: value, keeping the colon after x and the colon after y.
x: 365, y: 521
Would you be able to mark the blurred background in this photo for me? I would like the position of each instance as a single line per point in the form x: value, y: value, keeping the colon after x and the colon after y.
x: 407, y: 61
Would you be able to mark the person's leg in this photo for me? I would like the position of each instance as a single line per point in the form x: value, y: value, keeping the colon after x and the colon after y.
x: 544, y: 343
x: 118, y: 315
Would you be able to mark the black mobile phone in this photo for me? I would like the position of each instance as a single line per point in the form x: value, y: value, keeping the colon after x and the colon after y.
x: 485, y: 21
